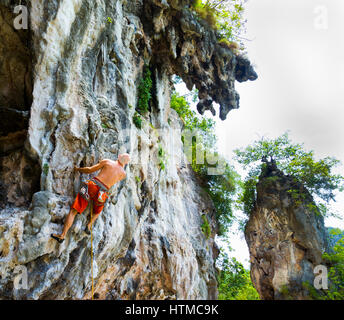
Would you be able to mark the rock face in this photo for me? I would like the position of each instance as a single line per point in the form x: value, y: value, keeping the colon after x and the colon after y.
x: 19, y: 173
x: 68, y: 91
x: 286, y: 238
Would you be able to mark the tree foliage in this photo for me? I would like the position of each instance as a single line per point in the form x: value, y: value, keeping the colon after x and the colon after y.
x: 234, y: 281
x: 225, y: 16
x: 191, y: 120
x: 291, y: 158
x: 221, y: 188
x: 335, y: 259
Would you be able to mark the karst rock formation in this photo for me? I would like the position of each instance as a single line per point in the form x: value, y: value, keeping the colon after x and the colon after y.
x: 286, y: 237
x: 68, y: 92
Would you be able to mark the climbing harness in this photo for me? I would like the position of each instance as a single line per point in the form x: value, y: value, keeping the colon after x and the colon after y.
x: 84, y: 190
x: 102, y: 193
x: 102, y: 196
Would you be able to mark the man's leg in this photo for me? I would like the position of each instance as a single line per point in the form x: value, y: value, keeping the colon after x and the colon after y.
x: 68, y: 223
x: 95, y: 212
x: 92, y: 220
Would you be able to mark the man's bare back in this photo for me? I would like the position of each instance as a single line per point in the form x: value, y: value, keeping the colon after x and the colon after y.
x: 110, y: 173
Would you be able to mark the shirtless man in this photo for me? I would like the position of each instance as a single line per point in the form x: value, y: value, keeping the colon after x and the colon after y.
x: 96, y: 190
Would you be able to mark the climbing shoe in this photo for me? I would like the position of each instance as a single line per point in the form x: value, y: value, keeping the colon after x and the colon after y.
x: 57, y: 238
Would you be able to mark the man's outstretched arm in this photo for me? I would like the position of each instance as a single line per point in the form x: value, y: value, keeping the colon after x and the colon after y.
x: 91, y: 169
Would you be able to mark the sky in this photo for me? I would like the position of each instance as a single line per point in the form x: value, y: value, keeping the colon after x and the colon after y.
x: 297, y: 49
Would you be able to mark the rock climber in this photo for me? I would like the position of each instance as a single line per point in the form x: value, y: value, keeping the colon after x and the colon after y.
x: 95, y: 189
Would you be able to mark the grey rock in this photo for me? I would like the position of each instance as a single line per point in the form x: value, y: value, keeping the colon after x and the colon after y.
x: 75, y: 109
x: 286, y: 238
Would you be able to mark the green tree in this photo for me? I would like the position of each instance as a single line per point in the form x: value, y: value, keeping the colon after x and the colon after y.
x: 225, y: 16
x: 335, y: 258
x: 191, y: 121
x: 291, y: 158
x: 222, y: 187
x: 234, y: 281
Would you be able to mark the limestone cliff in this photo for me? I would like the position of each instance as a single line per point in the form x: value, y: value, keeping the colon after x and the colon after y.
x: 68, y: 91
x: 286, y: 238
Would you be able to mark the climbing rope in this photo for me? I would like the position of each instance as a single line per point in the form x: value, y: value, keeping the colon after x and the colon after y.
x: 92, y: 248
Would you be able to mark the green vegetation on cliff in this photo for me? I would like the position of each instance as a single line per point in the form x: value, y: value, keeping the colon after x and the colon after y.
x: 137, y: 120
x: 292, y: 159
x: 224, y: 16
x: 234, y: 280
x: 144, y: 91
x: 335, y: 263
x: 220, y: 187
x: 335, y: 259
x: 206, y: 229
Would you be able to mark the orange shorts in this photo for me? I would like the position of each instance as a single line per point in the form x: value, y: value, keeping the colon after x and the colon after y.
x: 95, y: 193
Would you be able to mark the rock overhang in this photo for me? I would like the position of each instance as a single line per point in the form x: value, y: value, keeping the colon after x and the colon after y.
x: 187, y: 46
